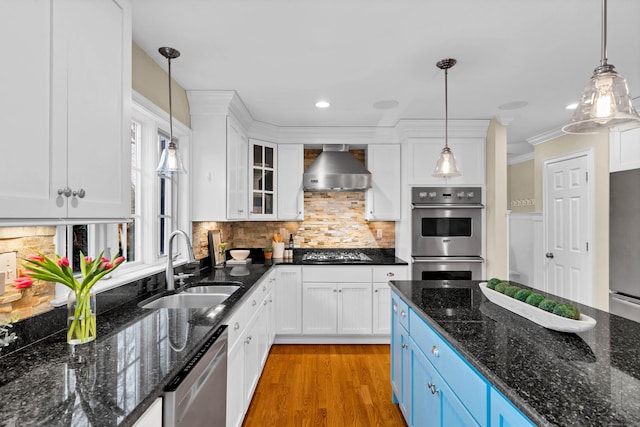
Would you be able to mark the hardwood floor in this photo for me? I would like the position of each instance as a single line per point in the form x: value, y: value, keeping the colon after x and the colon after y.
x: 325, y: 385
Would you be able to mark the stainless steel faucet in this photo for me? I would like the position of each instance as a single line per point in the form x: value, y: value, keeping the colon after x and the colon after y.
x: 169, y: 273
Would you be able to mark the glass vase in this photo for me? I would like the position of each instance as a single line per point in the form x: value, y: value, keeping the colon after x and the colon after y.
x: 81, y: 319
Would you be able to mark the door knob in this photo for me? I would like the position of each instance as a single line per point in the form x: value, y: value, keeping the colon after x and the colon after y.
x: 549, y: 255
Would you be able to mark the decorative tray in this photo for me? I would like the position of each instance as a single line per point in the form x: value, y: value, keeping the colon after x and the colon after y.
x: 537, y: 315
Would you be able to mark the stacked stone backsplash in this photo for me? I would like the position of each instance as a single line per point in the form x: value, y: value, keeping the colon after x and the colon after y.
x: 36, y: 299
x: 331, y: 220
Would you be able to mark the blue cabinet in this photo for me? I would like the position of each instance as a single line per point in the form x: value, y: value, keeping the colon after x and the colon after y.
x: 434, y: 385
x: 504, y: 414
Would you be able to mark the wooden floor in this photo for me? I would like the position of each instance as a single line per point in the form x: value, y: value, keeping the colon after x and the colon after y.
x: 325, y: 385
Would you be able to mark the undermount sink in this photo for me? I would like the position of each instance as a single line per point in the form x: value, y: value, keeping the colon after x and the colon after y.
x: 213, y: 289
x: 188, y: 300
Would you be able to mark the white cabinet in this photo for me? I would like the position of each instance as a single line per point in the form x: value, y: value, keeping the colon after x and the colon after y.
x: 152, y: 417
x: 382, y: 296
x: 288, y: 292
x: 336, y: 300
x: 67, y: 109
x: 251, y: 333
x: 624, y: 150
x: 423, y: 153
x: 382, y: 201
x: 237, y: 151
x: 290, y: 192
x: 263, y: 169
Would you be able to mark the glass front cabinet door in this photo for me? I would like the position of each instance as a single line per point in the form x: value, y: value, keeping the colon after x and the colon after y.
x: 263, y: 172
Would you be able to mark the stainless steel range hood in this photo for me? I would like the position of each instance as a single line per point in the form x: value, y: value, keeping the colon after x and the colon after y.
x: 336, y: 169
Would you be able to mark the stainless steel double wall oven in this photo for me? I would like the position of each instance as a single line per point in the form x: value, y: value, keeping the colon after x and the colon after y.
x: 446, y: 233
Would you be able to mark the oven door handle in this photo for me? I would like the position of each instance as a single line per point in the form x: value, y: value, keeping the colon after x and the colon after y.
x: 441, y: 206
x: 448, y: 260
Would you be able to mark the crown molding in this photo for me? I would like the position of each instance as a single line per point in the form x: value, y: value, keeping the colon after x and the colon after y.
x: 520, y: 158
x: 545, y: 136
x: 219, y: 103
x: 419, y: 128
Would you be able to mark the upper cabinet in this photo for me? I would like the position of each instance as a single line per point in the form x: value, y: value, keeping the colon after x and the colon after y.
x: 290, y: 192
x: 237, y: 152
x: 383, y: 199
x: 423, y: 154
x: 624, y: 150
x: 68, y: 109
x: 262, y: 175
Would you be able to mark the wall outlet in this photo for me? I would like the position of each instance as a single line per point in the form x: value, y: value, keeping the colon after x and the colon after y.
x: 379, y: 233
x: 8, y: 265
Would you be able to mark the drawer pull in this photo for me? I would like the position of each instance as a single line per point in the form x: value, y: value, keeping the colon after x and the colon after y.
x: 395, y: 308
x: 236, y: 326
x: 264, y: 288
x: 248, y: 340
x: 402, y: 313
x: 253, y: 303
x: 435, y: 351
x: 390, y: 274
x: 404, y: 346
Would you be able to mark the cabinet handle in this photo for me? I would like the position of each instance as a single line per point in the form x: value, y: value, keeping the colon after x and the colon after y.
x: 265, y: 302
x: 80, y: 193
x: 375, y: 290
x: 402, y: 313
x: 390, y: 274
x: 432, y: 388
x: 254, y: 303
x: 339, y: 290
x: 240, y: 210
x: 395, y: 308
x: 66, y: 192
x: 248, y: 340
x: 335, y: 290
x: 270, y: 300
x: 404, y: 345
x: 236, y: 326
x: 264, y: 288
x: 435, y: 351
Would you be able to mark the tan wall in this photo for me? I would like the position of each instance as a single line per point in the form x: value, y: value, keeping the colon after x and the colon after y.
x: 600, y: 145
x: 521, y: 195
x: 496, y: 212
x: 150, y: 80
x: 35, y: 299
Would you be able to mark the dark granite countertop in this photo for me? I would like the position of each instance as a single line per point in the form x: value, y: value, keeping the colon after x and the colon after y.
x: 112, y: 381
x: 590, y: 378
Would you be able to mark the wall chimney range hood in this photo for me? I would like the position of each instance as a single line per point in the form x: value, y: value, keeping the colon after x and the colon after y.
x: 336, y: 169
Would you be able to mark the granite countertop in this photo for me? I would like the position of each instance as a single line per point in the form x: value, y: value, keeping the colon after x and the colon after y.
x: 590, y: 378
x: 112, y: 381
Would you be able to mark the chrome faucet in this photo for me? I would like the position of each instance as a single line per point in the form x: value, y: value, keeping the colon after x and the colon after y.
x: 169, y: 273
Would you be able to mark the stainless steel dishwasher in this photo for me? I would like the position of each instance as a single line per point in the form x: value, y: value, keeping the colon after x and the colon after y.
x: 197, y: 396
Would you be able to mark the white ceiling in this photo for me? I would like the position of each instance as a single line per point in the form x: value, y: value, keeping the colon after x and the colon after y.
x: 281, y: 56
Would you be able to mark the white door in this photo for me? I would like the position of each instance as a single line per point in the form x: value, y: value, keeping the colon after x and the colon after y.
x: 381, y: 309
x: 568, y: 221
x: 319, y: 305
x: 288, y: 300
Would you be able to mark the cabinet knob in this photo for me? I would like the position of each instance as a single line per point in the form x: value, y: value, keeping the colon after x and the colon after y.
x: 395, y: 308
x: 236, y: 326
x: 375, y: 290
x: 265, y: 302
x: 254, y: 303
x: 66, y: 192
x: 80, y: 193
x: 390, y: 274
x: 248, y: 340
x: 402, y: 313
x: 404, y: 345
x: 435, y: 351
x: 432, y: 388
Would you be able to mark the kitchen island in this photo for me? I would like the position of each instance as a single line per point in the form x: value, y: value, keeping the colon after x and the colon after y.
x: 587, y: 379
x: 114, y: 380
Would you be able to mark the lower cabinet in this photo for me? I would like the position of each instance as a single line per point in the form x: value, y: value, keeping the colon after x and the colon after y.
x: 251, y: 333
x: 434, y: 385
x: 288, y: 292
x: 381, y: 315
x: 152, y: 417
x: 336, y: 308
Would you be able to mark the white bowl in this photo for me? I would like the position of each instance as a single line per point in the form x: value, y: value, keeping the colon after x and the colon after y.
x: 239, y: 254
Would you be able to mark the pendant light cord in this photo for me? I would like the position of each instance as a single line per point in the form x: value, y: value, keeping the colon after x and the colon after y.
x: 446, y: 108
x: 170, y: 108
x: 603, y: 53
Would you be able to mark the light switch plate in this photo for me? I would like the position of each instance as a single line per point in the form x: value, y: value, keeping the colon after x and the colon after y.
x: 8, y: 265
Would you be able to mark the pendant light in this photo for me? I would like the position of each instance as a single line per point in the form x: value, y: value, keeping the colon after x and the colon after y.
x: 170, y: 161
x: 446, y: 166
x: 605, y: 101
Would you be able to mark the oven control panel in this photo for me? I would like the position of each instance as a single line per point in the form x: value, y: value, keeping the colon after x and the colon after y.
x: 446, y: 195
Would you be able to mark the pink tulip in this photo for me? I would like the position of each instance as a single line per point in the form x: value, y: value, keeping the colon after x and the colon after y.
x: 105, y: 259
x: 119, y: 260
x: 35, y: 257
x: 88, y: 259
x: 22, y: 282
x: 63, y: 262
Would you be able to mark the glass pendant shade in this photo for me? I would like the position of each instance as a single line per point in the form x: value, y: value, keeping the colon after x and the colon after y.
x: 170, y: 161
x: 446, y: 166
x: 605, y: 103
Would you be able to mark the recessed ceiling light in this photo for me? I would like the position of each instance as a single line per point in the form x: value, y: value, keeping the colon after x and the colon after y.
x: 572, y: 106
x: 323, y: 104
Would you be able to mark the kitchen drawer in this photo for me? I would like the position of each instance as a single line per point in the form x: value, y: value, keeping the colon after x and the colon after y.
x: 238, y: 322
x: 465, y: 382
x: 337, y: 274
x: 384, y: 274
x: 401, y: 309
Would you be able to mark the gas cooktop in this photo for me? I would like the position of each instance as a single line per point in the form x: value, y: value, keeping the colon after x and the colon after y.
x: 335, y: 257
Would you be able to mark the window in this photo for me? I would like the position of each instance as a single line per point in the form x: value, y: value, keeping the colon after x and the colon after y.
x: 155, y: 203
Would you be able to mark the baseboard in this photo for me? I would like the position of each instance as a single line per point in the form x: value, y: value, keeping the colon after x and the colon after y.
x: 322, y: 339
